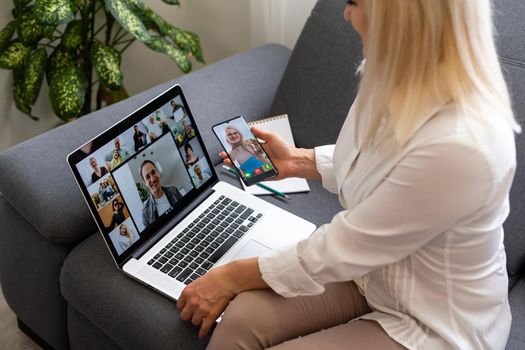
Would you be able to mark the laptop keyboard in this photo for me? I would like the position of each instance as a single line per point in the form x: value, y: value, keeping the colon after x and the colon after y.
x: 205, y: 240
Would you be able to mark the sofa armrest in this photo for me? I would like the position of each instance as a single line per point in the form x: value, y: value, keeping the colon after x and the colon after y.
x: 34, y: 176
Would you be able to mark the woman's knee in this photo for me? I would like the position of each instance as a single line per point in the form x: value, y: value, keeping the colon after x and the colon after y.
x: 245, y: 322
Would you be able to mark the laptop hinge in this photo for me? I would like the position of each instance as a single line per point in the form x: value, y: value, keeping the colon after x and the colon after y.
x: 170, y: 225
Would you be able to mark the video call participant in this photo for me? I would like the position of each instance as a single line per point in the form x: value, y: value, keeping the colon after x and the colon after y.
x: 122, y: 151
x: 116, y: 160
x: 126, y: 237
x: 247, y: 153
x: 161, y: 198
x: 176, y: 107
x: 201, y: 177
x: 118, y: 214
x: 191, y: 158
x: 98, y: 172
x: 139, y: 138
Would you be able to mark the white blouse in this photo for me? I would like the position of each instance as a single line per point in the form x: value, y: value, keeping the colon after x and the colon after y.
x: 420, y: 234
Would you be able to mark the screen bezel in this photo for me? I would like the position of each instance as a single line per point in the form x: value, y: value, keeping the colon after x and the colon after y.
x: 254, y: 179
x: 116, y: 130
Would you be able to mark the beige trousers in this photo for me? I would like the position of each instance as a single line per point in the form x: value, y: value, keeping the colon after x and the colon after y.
x: 262, y: 319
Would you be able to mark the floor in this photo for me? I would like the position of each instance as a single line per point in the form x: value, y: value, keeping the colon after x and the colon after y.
x: 10, y: 336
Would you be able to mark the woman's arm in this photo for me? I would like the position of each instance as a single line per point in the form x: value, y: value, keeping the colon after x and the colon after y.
x: 204, y: 300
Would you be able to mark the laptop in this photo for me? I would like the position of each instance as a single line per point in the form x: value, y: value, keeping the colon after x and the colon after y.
x: 163, y: 213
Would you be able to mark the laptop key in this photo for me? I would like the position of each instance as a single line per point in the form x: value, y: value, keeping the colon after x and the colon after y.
x: 240, y: 208
x: 157, y: 265
x: 238, y: 233
x: 174, y: 272
x: 199, y: 260
x: 247, y: 213
x: 151, y: 262
x: 200, y: 271
x: 183, y: 275
x: 163, y: 260
x: 193, y: 266
x: 223, y: 249
x: 194, y: 276
x: 243, y: 228
x: 207, y: 265
x: 166, y: 268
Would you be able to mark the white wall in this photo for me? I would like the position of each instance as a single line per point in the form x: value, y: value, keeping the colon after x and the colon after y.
x: 225, y: 28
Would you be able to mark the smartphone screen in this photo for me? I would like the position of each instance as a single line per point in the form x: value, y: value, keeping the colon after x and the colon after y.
x: 244, y: 150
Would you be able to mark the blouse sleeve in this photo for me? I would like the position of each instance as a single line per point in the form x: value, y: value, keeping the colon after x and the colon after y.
x: 325, y: 166
x: 432, y: 189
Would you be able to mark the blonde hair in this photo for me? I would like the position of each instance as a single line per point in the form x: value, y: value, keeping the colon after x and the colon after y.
x: 127, y: 231
x: 423, y: 54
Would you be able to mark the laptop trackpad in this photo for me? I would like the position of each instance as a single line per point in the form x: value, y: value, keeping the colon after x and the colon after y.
x: 250, y: 250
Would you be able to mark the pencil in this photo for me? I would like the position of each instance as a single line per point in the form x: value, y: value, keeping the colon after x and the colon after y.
x: 267, y: 188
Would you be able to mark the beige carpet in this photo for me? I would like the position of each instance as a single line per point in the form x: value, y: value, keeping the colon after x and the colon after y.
x: 10, y: 336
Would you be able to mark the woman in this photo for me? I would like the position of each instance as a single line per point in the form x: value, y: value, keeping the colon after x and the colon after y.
x: 126, y: 237
x: 246, y: 153
x: 423, y: 166
x: 191, y: 158
x: 116, y: 160
x: 98, y: 172
x: 118, y: 214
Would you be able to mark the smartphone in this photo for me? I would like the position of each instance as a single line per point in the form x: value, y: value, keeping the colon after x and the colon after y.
x: 244, y: 150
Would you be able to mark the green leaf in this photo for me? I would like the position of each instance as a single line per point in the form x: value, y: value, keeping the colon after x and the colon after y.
x: 59, y: 59
x: 53, y: 12
x: 19, y: 92
x: 6, y: 34
x: 188, y: 41
x: 136, y: 6
x: 106, y: 62
x: 172, y: 2
x: 160, y: 44
x: 124, y: 15
x: 29, y: 30
x: 67, y: 92
x: 155, y: 22
x: 73, y: 36
x: 28, y: 81
x: 14, y: 56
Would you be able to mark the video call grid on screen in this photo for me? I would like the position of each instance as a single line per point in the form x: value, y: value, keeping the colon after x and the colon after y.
x: 165, y: 142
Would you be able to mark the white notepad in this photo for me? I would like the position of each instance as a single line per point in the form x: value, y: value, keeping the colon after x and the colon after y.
x: 279, y: 125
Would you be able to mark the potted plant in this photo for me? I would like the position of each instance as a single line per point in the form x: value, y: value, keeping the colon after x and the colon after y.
x: 77, y: 45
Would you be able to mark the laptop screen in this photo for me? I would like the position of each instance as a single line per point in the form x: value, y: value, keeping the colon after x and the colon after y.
x: 139, y: 173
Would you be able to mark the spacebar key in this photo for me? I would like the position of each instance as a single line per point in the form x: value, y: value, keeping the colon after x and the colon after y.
x: 222, y: 249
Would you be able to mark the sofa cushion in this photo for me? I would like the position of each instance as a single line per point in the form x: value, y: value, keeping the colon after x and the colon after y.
x: 517, y: 304
x: 515, y: 224
x: 130, y: 314
x: 509, y: 39
x: 35, y: 177
x: 319, y: 83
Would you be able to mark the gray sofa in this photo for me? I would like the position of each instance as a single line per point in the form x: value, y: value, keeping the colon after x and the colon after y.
x: 56, y: 273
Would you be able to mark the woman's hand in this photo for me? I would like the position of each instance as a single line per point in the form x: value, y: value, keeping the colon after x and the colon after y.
x: 204, y: 300
x: 289, y: 160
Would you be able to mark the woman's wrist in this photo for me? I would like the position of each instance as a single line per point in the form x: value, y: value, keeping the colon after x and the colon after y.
x: 244, y: 275
x: 304, y: 164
